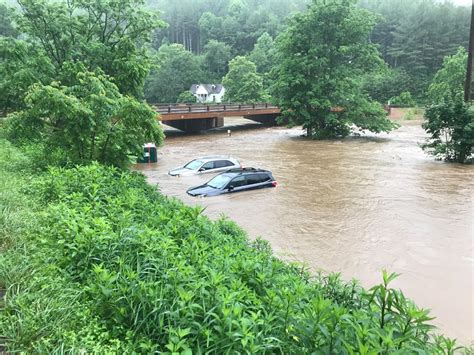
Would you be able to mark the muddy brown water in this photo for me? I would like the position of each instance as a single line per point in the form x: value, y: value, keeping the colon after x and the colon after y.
x: 355, y: 206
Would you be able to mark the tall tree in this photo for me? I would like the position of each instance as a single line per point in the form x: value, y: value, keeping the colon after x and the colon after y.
x: 75, y: 77
x: 7, y: 28
x: 176, y: 69
x: 104, y: 34
x: 448, y: 82
x: 89, y: 121
x: 216, y: 58
x: 242, y: 83
x: 320, y: 58
x: 450, y: 121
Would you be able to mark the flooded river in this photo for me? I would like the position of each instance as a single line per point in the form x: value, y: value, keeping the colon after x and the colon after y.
x: 354, y: 206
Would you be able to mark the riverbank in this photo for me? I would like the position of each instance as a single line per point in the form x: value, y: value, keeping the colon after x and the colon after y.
x: 100, y: 262
x: 355, y: 206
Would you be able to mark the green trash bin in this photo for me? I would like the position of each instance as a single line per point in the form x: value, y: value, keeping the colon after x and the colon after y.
x: 150, y: 153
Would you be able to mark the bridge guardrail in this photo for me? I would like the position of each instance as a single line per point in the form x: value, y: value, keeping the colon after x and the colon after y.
x: 198, y: 108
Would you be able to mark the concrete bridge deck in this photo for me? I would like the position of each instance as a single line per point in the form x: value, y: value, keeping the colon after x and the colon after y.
x: 198, y: 117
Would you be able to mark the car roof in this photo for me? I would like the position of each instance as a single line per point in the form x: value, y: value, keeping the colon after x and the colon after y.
x: 215, y: 157
x: 243, y: 171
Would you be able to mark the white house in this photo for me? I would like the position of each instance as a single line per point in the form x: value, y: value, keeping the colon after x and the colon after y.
x: 208, y: 93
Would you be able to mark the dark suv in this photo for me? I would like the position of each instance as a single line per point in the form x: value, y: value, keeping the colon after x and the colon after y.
x: 235, y: 180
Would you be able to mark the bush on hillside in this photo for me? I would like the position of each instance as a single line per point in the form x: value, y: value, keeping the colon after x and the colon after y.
x: 106, y: 264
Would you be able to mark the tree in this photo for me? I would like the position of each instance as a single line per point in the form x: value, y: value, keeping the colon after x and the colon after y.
x: 7, y: 28
x: 104, y: 34
x: 404, y: 99
x: 450, y: 125
x: 382, y: 85
x: 242, y: 83
x: 449, y: 80
x: 89, y: 121
x: 263, y: 53
x: 320, y: 58
x: 450, y: 121
x: 20, y: 67
x: 415, y: 35
x: 216, y: 58
x: 176, y: 69
x: 186, y: 97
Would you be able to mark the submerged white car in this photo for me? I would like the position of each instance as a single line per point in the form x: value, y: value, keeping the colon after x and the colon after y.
x: 202, y: 165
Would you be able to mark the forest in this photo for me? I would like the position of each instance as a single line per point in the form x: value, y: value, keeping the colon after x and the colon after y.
x: 413, y: 37
x: 198, y: 40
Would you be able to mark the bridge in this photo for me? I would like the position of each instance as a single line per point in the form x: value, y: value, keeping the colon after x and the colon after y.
x: 199, y: 117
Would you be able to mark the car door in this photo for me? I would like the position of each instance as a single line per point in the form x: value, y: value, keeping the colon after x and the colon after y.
x: 207, y: 167
x: 237, y: 184
x: 253, y: 181
x: 223, y: 165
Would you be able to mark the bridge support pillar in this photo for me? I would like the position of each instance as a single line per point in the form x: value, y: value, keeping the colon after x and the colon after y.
x: 196, y: 125
x: 267, y: 119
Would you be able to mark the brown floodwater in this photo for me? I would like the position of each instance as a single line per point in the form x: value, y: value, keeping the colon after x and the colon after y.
x: 355, y: 206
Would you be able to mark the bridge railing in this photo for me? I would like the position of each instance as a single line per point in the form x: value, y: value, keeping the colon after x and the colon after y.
x: 199, y: 108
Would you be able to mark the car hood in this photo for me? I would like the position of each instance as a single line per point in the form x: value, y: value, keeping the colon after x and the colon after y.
x: 181, y: 172
x: 203, y: 190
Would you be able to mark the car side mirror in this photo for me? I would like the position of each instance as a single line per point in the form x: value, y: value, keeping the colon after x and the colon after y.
x: 201, y: 169
x: 230, y: 188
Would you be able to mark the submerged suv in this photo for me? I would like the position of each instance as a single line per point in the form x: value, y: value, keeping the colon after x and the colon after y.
x: 235, y: 180
x: 202, y: 165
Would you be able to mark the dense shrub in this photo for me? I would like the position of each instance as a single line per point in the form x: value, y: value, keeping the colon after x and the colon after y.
x: 105, y: 264
x: 404, y: 99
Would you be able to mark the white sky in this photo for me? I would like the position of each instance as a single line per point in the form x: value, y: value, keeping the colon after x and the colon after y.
x: 462, y: 2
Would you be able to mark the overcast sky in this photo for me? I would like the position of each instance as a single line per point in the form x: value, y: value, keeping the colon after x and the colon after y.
x: 462, y: 2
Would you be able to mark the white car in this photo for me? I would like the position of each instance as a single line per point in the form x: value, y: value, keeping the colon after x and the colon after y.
x: 202, y: 165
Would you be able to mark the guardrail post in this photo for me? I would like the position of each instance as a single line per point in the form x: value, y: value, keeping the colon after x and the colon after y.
x: 266, y: 105
x: 189, y: 109
x: 224, y: 107
x: 207, y: 108
x: 253, y: 106
x: 240, y: 106
x: 169, y: 108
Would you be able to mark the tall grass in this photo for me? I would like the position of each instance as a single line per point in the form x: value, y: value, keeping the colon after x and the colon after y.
x: 106, y: 264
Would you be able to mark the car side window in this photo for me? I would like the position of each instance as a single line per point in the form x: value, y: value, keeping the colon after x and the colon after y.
x: 237, y: 181
x: 263, y: 177
x: 253, y: 179
x: 222, y: 163
x: 208, y: 165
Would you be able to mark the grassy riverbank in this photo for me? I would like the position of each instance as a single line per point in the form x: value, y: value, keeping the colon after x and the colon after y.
x: 95, y: 260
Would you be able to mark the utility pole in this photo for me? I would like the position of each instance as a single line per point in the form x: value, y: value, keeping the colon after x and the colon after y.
x: 468, y: 86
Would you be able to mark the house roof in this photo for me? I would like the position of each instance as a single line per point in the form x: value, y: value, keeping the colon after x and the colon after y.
x: 210, y: 88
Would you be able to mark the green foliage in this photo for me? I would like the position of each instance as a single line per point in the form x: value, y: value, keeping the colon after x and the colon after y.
x: 176, y: 69
x: 449, y: 80
x: 105, y: 34
x: 105, y: 264
x: 242, y: 83
x: 7, y: 28
x: 415, y: 36
x: 186, y: 97
x: 404, y: 99
x: 450, y: 124
x: 263, y: 53
x: 320, y: 58
x: 381, y: 86
x: 216, y: 58
x: 20, y: 67
x: 235, y: 23
x: 87, y: 121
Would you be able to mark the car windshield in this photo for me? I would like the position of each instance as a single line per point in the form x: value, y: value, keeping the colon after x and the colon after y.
x: 193, y: 165
x: 219, y: 182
